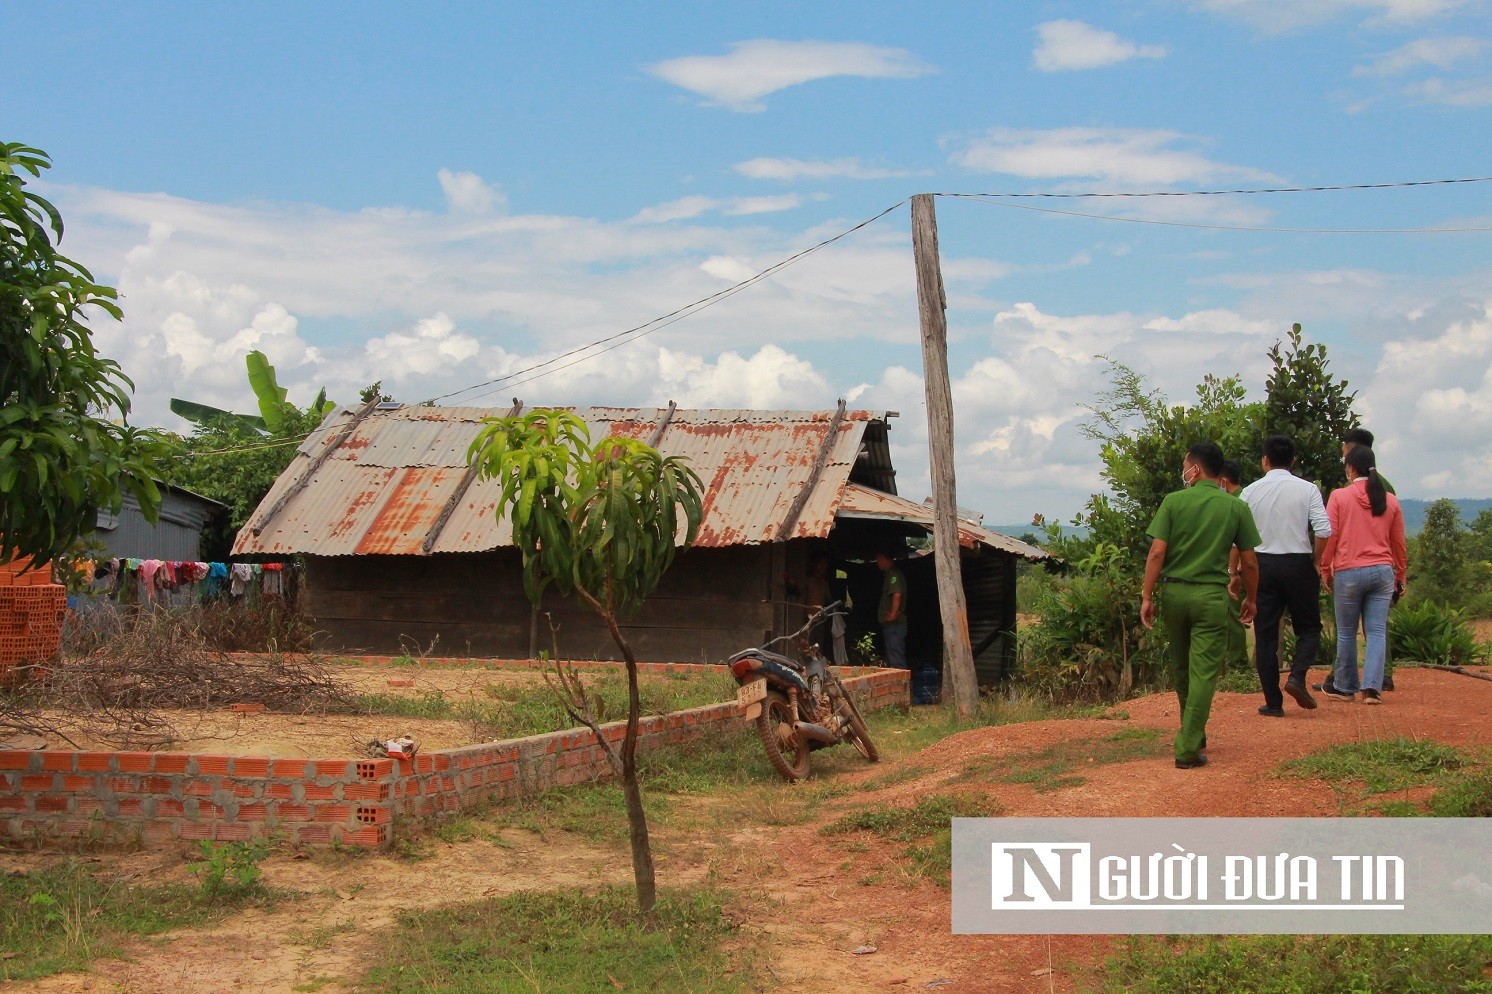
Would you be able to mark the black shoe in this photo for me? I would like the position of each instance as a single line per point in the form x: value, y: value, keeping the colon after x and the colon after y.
x: 1270, y: 712
x: 1388, y: 683
x: 1331, y: 691
x: 1191, y: 764
x: 1370, y: 696
x: 1297, y: 690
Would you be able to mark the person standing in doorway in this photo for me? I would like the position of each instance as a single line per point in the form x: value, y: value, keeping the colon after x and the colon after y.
x: 1231, y: 480
x: 1191, y: 537
x: 1351, y: 439
x: 1364, y: 566
x: 893, y: 611
x: 1292, y: 522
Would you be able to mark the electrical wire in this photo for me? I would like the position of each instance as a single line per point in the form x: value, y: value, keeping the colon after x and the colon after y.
x: 980, y: 199
x: 1242, y: 191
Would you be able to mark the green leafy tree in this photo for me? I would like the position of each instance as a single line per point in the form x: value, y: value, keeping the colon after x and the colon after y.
x: 1303, y: 400
x: 602, y: 523
x: 1142, y: 442
x: 1440, y: 560
x: 66, y: 447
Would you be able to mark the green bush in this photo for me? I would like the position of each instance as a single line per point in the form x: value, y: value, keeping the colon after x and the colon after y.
x: 1090, y: 643
x: 1429, y: 633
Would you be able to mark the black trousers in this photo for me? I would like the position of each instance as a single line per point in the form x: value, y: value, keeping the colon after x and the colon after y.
x: 1286, y: 582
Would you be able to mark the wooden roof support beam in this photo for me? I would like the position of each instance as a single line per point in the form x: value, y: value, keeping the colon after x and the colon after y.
x: 467, y: 479
x: 316, y: 463
x: 785, y: 530
x: 657, y: 435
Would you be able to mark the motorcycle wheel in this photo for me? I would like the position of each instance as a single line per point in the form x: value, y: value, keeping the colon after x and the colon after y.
x: 789, y: 759
x: 859, y: 734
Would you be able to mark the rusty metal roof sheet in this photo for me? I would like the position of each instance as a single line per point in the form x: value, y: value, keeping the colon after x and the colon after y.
x: 863, y: 502
x: 383, y: 488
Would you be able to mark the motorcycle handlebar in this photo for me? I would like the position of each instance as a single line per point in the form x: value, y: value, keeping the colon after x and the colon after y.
x: 827, y: 611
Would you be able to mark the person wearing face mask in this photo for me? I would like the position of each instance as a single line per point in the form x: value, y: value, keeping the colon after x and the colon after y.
x: 1192, y: 536
x: 1364, y: 566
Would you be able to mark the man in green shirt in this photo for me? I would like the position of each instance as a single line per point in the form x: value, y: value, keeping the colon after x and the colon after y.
x: 1192, y: 536
x: 1231, y: 480
x: 893, y: 612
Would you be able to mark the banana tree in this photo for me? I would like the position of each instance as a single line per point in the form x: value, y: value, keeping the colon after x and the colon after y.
x: 273, y: 407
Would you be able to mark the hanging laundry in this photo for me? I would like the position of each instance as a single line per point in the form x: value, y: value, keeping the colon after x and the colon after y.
x: 240, y: 574
x: 217, y: 578
x: 274, y: 579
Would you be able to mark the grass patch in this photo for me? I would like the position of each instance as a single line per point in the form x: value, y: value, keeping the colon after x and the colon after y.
x: 60, y: 918
x: 1380, y: 765
x: 1057, y: 766
x: 1467, y: 794
x: 925, y: 828
x: 560, y: 941
x: 1288, y: 964
x: 900, y: 775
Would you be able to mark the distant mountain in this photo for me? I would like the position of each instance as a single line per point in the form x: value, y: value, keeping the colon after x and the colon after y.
x: 1414, y: 517
x: 1414, y: 510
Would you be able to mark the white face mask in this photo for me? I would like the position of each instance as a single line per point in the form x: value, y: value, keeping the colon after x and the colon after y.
x: 1186, y: 481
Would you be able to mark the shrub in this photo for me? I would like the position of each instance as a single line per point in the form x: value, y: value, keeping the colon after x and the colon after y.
x: 1429, y: 633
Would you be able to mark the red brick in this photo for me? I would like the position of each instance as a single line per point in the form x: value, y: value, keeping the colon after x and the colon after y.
x: 122, y: 785
x: 314, y: 834
x: 374, y: 815
x: 52, y: 803
x: 87, y: 805
x: 76, y: 783
x: 171, y: 762
x: 372, y: 836
x: 246, y: 790
x: 294, y: 769
x: 340, y: 768
x: 95, y: 762
x: 278, y: 791
x: 252, y: 812
x: 233, y: 833
x: 58, y: 760
x: 15, y: 804
x: 315, y: 793
x: 15, y: 760
x: 333, y: 812
x: 199, y: 788
x: 250, y: 767
x: 374, y: 769
x: 206, y: 809
x: 156, y: 785
x: 38, y: 781
x: 292, y: 812
x: 365, y: 791
x: 168, y: 807
x: 131, y: 807
x: 134, y: 762
x: 212, y: 765
x: 194, y: 830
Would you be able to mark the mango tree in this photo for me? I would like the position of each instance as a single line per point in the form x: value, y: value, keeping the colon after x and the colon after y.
x: 603, y: 523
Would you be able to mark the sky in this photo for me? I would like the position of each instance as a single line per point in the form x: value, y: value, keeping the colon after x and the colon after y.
x: 441, y: 196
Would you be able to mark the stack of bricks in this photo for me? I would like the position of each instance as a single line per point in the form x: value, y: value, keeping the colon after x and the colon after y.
x: 32, y: 608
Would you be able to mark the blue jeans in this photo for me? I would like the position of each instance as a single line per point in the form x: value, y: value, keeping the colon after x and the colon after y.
x: 894, y: 634
x: 1364, y: 594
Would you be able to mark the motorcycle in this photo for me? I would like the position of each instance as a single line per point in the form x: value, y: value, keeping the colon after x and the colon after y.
x: 798, y: 707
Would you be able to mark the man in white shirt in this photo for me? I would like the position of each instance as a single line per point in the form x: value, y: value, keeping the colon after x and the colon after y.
x: 1292, y: 521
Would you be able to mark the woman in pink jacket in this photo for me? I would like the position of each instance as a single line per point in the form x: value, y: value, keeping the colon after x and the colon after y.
x: 1363, y: 566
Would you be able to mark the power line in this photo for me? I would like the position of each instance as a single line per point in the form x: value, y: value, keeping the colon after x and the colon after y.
x: 1241, y: 191
x: 1232, y: 227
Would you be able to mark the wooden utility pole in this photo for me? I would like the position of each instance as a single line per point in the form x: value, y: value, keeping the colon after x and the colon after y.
x: 958, y: 659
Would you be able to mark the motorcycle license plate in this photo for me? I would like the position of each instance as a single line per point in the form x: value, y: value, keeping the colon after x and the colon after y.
x: 751, y: 693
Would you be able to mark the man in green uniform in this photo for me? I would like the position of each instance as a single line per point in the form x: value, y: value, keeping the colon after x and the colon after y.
x: 1231, y: 480
x: 1191, y: 538
x: 893, y: 612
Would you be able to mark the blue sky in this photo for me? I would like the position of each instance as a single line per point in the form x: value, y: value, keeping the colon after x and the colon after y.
x: 439, y: 195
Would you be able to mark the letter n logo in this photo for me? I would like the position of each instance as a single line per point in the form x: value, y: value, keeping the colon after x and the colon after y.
x: 1028, y: 876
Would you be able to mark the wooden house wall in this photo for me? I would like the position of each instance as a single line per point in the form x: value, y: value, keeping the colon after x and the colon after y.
x: 710, y: 604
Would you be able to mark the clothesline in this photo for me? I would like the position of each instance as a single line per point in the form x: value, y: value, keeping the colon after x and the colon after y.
x: 144, y: 580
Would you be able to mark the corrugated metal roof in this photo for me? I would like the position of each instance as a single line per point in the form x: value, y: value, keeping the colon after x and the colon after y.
x: 385, y: 486
x: 863, y: 502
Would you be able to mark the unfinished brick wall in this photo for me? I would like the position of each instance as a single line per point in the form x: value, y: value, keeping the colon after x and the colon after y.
x: 31, y: 612
x: 157, y: 797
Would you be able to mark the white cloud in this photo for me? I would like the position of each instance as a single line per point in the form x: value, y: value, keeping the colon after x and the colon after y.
x: 1066, y: 45
x: 432, y: 346
x: 763, y: 205
x: 755, y: 69
x: 686, y: 208
x: 1126, y: 157
x: 1452, y: 93
x: 771, y: 378
x: 789, y: 170
x: 1276, y: 16
x: 466, y: 193
x: 1442, y: 53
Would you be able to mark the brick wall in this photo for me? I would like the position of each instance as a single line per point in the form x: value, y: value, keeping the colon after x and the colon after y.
x: 157, y: 797
x: 31, y: 610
